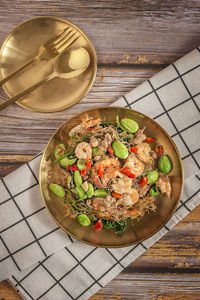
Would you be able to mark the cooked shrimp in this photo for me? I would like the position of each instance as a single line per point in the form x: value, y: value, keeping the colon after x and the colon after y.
x: 122, y: 185
x: 82, y: 127
x: 102, y: 205
x: 144, y: 152
x: 83, y: 151
x: 110, y: 166
x: 135, y: 165
x: 92, y: 122
x: 164, y: 185
x: 130, y: 198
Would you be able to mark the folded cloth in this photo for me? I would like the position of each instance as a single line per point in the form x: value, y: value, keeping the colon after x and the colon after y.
x: 76, y: 271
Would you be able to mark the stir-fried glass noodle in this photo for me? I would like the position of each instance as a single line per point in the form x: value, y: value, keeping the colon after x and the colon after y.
x: 110, y: 172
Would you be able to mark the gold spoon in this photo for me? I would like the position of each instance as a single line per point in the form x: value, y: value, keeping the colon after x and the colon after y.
x: 68, y: 65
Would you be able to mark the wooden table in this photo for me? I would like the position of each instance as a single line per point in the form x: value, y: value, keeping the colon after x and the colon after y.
x: 134, y: 40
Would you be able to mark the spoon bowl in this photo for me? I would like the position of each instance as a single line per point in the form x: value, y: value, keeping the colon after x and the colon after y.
x: 71, y: 63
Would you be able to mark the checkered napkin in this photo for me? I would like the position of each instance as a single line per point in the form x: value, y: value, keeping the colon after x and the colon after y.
x: 40, y: 259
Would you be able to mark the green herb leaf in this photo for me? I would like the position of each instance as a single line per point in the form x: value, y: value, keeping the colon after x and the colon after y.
x: 118, y: 226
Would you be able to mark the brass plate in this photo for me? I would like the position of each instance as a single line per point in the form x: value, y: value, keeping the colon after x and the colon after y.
x: 150, y: 223
x: 21, y: 44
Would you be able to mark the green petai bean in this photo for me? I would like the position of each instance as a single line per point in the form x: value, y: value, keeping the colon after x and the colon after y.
x: 130, y: 125
x: 120, y: 150
x: 90, y: 190
x: 84, y: 220
x: 164, y: 164
x: 80, y: 191
x: 152, y: 177
x: 64, y: 162
x: 100, y: 193
x: 154, y: 192
x: 77, y: 178
x: 57, y: 189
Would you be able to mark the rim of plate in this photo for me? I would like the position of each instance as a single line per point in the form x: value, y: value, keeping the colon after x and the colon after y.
x: 155, y: 231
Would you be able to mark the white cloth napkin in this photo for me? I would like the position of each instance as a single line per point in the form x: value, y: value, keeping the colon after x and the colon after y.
x: 28, y: 236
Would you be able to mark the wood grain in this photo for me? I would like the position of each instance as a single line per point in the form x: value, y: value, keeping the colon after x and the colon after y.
x: 125, y: 31
x: 26, y: 132
x: 134, y: 40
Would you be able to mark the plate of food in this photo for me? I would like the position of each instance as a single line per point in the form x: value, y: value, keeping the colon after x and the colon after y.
x: 111, y: 177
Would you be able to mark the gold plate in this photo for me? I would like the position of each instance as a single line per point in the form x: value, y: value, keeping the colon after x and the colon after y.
x: 146, y: 226
x: 21, y: 44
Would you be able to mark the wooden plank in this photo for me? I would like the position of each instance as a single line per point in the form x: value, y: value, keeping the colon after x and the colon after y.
x: 26, y: 132
x: 178, y: 251
x: 9, y: 163
x: 141, y: 286
x: 128, y: 32
x: 7, y: 292
x: 152, y: 287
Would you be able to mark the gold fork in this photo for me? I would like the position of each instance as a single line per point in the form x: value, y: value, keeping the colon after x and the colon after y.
x: 50, y: 49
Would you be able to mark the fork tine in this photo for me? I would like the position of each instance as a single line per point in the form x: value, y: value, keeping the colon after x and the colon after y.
x: 67, y: 42
x: 65, y: 38
x: 53, y: 39
x: 61, y: 36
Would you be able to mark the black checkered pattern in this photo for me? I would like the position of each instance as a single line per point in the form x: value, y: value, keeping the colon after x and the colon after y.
x: 27, y: 233
x: 67, y: 268
x: 77, y: 271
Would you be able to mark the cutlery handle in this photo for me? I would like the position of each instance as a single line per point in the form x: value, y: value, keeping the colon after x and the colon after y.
x: 18, y: 70
x: 25, y: 92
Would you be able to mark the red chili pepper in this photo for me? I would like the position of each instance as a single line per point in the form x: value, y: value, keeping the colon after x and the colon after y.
x: 127, y: 172
x: 134, y: 150
x: 88, y: 164
x: 143, y: 182
x: 90, y: 128
x: 83, y: 172
x: 98, y: 225
x: 110, y: 150
x: 124, y: 118
x: 116, y: 195
x: 158, y: 150
x: 74, y: 168
x: 100, y: 171
x: 150, y: 140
